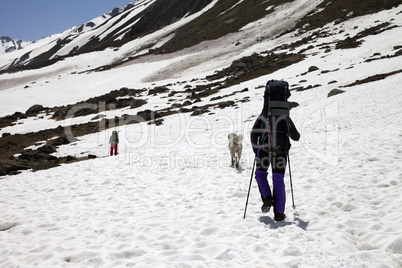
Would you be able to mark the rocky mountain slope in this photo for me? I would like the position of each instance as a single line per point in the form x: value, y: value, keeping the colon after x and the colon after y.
x: 143, y: 17
x: 114, y: 28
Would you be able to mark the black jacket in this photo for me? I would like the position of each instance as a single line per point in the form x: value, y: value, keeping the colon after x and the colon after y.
x: 256, y: 132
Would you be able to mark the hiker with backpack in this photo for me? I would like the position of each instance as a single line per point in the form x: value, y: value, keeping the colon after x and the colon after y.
x: 270, y: 141
x: 114, y: 141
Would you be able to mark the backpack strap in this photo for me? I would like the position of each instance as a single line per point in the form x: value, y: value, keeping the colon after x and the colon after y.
x: 266, y: 130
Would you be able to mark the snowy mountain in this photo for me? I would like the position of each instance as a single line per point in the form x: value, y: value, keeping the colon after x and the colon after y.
x: 113, y: 29
x: 9, y: 45
x: 174, y: 80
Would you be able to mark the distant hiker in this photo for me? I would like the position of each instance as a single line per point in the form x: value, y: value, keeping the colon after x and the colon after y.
x: 271, y: 144
x: 114, y: 140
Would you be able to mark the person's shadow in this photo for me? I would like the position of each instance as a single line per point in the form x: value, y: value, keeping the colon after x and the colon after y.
x: 278, y: 224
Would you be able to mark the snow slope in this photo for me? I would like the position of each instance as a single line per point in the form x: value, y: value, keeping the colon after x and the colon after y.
x: 175, y: 201
x: 171, y: 199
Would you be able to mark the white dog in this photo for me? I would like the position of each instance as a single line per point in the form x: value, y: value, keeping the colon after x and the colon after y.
x: 235, y: 148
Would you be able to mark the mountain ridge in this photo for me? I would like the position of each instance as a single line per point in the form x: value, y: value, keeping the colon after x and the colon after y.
x: 116, y: 28
x: 138, y: 18
x: 9, y: 44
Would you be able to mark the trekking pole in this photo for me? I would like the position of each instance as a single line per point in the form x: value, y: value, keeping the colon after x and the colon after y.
x: 291, y: 184
x: 249, y: 187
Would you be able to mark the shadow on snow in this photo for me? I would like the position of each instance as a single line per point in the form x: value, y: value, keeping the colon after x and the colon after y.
x: 277, y: 224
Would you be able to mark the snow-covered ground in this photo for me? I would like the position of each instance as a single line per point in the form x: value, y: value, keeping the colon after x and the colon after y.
x: 171, y: 199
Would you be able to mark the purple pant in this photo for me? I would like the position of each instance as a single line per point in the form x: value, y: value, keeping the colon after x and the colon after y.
x: 278, y: 188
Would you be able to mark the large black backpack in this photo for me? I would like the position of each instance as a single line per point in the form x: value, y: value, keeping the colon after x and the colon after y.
x: 275, y: 117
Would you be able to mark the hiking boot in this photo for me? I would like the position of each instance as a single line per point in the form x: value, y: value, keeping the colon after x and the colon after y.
x: 279, y: 216
x: 267, y: 203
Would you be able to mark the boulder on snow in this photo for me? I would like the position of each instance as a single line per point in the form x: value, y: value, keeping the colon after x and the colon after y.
x: 8, y: 166
x: 36, y: 156
x: 47, y: 149
x: 61, y: 141
x: 293, y: 104
x: 70, y: 158
x: 39, y: 160
x: 34, y: 110
x: 335, y: 92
